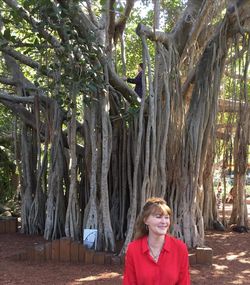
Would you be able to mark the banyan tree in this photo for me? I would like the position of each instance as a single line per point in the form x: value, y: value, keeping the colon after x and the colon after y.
x: 88, y: 152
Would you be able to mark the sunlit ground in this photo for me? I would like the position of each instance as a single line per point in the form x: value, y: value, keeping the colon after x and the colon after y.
x: 101, y: 278
x: 231, y: 257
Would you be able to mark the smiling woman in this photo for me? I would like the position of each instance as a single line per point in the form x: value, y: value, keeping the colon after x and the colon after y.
x: 155, y: 257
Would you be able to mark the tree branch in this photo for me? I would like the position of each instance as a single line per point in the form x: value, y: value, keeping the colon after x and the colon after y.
x: 7, y: 81
x: 12, y: 102
x: 91, y: 14
x: 21, y: 111
x: 4, y: 96
x: 34, y: 23
x: 153, y: 36
x: 83, y: 25
x: 121, y: 22
x: 25, y: 60
x: 198, y: 27
x: 181, y: 31
x: 118, y: 84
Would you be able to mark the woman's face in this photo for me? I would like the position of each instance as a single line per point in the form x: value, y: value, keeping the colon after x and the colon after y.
x: 158, y: 223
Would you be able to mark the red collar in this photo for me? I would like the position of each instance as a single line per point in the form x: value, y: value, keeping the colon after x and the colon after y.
x: 166, y: 245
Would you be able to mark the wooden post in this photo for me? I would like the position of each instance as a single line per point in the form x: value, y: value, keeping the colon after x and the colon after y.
x: 48, y: 250
x: 74, y: 251
x: 89, y: 256
x: 2, y: 226
x: 82, y: 253
x: 55, y: 250
x: 99, y: 258
x: 65, y: 249
x: 204, y: 255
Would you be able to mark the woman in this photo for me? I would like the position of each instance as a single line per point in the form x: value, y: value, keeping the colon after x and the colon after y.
x: 137, y: 80
x: 154, y: 257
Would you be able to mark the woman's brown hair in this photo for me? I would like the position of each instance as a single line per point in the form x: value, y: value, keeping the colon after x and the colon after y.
x: 152, y: 206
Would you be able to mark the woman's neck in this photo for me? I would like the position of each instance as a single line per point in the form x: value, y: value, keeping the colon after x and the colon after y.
x: 155, y: 245
x: 156, y: 241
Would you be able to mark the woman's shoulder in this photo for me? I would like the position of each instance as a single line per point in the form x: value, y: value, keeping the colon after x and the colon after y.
x: 176, y: 242
x: 135, y: 244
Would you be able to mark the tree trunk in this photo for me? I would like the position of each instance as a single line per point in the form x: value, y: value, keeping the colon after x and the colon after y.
x: 73, y: 221
x: 55, y: 205
x: 239, y: 214
x: 37, y: 211
x: 27, y: 181
x: 90, y: 211
x: 107, y: 232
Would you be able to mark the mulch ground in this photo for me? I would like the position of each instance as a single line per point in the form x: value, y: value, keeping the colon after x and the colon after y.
x: 231, y: 264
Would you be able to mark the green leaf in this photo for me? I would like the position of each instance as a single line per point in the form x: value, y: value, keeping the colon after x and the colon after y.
x: 28, y: 50
x: 36, y: 42
x: 7, y: 34
x: 26, y: 5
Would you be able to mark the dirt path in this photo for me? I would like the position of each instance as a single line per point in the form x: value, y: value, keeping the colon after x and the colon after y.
x: 231, y: 260
x: 231, y: 264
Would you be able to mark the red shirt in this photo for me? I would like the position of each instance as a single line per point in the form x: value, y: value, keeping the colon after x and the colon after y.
x: 172, y: 267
